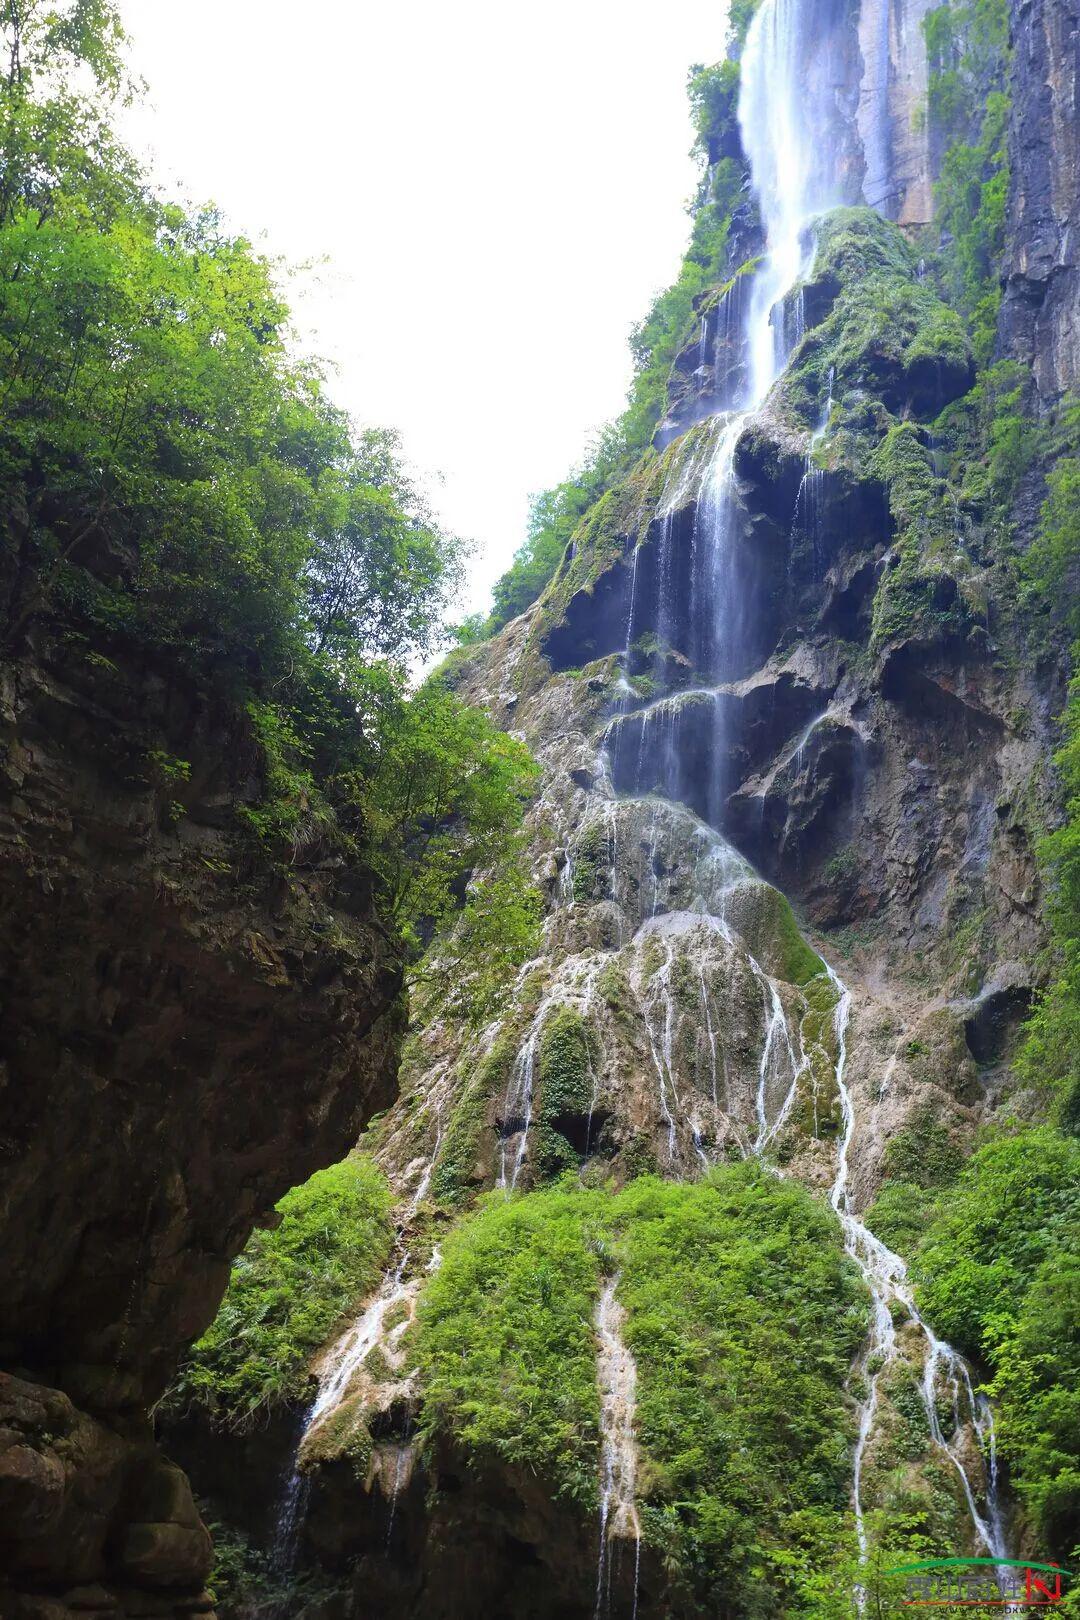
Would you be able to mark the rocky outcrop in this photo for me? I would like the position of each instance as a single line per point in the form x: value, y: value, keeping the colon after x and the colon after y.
x: 1041, y: 310
x: 185, y: 1034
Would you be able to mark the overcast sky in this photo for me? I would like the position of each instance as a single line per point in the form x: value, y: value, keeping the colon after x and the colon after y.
x: 498, y: 190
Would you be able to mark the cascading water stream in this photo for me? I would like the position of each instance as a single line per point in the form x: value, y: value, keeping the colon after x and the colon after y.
x: 357, y: 1343
x: 886, y: 1277
x: 617, y: 1377
x: 574, y: 989
x: 786, y: 117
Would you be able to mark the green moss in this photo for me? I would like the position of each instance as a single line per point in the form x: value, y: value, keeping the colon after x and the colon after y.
x: 924, y: 1153
x: 882, y: 330
x: 840, y: 869
x: 613, y: 986
x: 565, y: 1065
x: 742, y: 1313
x: 341, y: 1436
x: 287, y: 1291
x: 920, y: 594
x: 565, y: 1085
x: 778, y: 943
x: 454, y: 1178
x: 590, y: 859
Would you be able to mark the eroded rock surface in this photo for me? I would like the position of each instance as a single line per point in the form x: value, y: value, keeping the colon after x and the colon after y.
x: 183, y: 1038
x: 1041, y: 314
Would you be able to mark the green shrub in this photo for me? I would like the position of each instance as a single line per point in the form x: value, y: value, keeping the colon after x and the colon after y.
x: 288, y: 1290
x: 900, y: 1215
x: 506, y: 1344
x: 998, y: 1274
x: 742, y: 1315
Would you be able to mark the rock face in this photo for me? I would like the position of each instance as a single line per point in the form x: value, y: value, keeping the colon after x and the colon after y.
x: 862, y: 741
x: 892, y: 99
x: 1041, y: 314
x: 794, y: 764
x: 183, y: 1039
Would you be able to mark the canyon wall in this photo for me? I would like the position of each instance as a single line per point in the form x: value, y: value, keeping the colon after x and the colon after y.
x: 186, y: 1033
x: 1041, y: 315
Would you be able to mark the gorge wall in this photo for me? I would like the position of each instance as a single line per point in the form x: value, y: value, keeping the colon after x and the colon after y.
x: 1040, y: 311
x: 184, y: 1037
x: 642, y: 1338
x: 795, y: 763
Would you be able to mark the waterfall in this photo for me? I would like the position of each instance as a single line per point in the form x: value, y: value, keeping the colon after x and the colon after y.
x: 793, y: 139
x: 786, y: 120
x: 289, y: 1520
x: 886, y: 1277
x: 573, y: 988
x: 359, y: 1340
x: 617, y: 1377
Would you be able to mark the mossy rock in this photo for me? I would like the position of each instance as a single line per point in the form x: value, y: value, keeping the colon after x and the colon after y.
x: 459, y: 1171
x: 768, y: 923
x: 565, y: 1065
x: 342, y: 1435
x: 874, y: 325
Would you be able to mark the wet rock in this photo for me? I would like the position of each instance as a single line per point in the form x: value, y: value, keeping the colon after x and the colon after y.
x: 992, y: 1022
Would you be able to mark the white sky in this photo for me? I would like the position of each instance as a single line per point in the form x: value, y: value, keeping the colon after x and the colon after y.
x: 498, y: 189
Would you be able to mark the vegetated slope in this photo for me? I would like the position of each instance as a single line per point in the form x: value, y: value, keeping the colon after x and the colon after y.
x: 554, y: 1402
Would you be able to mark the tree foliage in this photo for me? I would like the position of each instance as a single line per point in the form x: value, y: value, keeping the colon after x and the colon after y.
x: 179, y: 487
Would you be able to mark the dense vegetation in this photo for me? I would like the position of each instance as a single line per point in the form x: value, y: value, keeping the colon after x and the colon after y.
x: 1051, y: 1057
x: 742, y: 1314
x: 999, y: 1273
x: 287, y: 1290
x: 506, y: 1342
x: 180, y: 491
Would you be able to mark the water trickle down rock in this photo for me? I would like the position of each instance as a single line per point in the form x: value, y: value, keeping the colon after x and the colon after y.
x: 617, y: 1378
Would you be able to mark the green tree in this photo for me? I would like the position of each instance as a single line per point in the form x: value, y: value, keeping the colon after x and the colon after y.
x: 439, y: 800
x: 178, y: 483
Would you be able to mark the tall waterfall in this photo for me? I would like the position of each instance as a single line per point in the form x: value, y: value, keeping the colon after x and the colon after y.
x: 790, y: 125
x: 794, y: 136
x: 787, y: 120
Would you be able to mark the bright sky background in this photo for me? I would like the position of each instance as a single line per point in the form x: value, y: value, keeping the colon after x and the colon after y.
x: 498, y: 190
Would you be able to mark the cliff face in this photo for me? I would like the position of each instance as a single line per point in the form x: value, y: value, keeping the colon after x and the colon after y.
x: 795, y: 763
x: 183, y: 1040
x: 1041, y: 324
x: 893, y: 128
